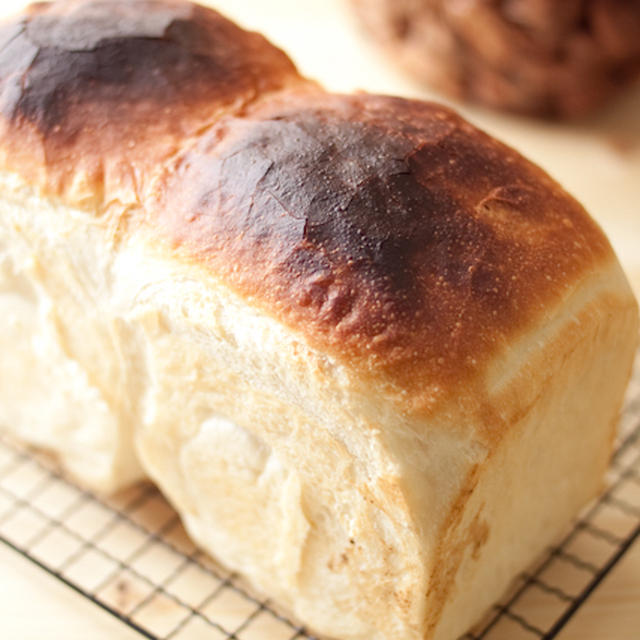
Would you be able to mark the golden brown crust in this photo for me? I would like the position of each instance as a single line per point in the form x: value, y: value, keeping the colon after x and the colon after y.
x: 101, y: 91
x: 391, y: 233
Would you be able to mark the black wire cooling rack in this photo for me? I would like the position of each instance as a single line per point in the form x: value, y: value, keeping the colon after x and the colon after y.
x: 130, y: 555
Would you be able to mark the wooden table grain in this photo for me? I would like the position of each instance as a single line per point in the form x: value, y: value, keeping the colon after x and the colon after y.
x: 34, y: 605
x: 613, y: 610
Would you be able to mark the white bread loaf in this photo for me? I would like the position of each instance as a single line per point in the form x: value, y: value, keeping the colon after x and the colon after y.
x: 372, y: 356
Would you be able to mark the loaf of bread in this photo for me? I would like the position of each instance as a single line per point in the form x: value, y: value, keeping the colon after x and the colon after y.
x: 372, y: 356
x: 542, y: 57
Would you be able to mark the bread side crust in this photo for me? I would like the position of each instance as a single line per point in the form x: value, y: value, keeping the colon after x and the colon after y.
x: 71, y: 373
x: 562, y: 405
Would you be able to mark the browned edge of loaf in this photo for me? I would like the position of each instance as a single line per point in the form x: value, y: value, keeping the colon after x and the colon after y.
x: 390, y: 233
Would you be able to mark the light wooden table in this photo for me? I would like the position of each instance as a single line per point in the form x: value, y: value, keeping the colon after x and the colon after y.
x: 613, y: 611
x: 34, y: 606
x: 598, y: 161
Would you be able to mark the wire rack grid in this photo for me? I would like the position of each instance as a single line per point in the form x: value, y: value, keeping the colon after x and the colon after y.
x: 130, y: 555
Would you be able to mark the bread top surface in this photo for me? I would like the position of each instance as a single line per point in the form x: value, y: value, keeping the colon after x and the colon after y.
x: 390, y: 233
x: 98, y: 92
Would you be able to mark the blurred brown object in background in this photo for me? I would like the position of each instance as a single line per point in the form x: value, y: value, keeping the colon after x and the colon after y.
x: 550, y: 58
